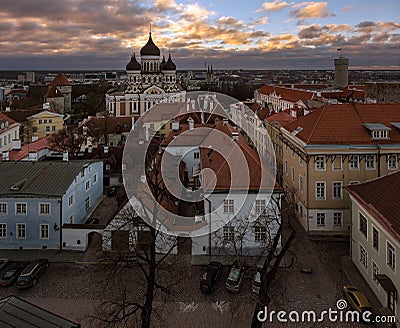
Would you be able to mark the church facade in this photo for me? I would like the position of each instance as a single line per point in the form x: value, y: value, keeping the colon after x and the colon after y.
x: 149, y: 82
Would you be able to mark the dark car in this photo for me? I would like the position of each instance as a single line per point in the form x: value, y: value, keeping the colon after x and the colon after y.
x: 211, y: 276
x: 30, y: 275
x: 12, y: 273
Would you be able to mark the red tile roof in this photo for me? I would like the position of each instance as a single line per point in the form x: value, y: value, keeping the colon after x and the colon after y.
x: 380, y: 197
x: 60, y: 80
x: 288, y: 94
x: 343, y: 124
x: 53, y: 92
x: 283, y: 118
x: 38, y: 145
x: 4, y: 117
x: 22, y: 115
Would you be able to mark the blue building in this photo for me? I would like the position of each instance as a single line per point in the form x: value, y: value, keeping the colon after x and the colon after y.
x: 37, y: 198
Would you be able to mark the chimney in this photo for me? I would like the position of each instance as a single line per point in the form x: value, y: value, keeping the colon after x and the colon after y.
x: 175, y: 126
x: 235, y: 135
x: 33, y: 156
x: 16, y: 144
x: 65, y: 156
x: 225, y: 120
x: 5, y: 156
x: 191, y: 124
x: 105, y: 150
x: 90, y: 149
x: 35, y: 138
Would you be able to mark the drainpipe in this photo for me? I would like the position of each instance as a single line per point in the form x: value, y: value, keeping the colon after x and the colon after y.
x: 379, y: 161
x: 60, y: 223
x: 209, y: 223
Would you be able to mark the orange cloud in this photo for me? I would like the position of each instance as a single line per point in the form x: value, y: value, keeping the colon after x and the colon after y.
x: 306, y: 10
x: 273, y: 6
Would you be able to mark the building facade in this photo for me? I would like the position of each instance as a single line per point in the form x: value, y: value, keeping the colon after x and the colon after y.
x: 149, y: 82
x: 36, y: 200
x: 375, y: 237
x: 9, y: 131
x: 332, y: 147
x: 43, y: 124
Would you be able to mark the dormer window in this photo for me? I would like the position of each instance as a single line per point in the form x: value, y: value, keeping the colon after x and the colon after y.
x: 378, y: 131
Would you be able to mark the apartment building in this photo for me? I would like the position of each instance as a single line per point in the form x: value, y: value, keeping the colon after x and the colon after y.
x: 332, y: 147
x: 375, y: 237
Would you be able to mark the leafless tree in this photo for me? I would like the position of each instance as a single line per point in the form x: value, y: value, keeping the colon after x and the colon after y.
x: 149, y: 250
x: 68, y: 139
x: 275, y: 256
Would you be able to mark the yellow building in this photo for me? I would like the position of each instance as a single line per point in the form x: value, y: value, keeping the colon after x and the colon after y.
x: 43, y: 124
x: 332, y: 147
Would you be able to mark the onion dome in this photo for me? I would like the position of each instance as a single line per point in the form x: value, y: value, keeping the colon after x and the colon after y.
x: 169, y: 65
x: 163, y: 62
x: 150, y: 49
x: 133, y: 65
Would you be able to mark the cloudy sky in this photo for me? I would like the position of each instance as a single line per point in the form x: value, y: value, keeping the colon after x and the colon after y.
x: 248, y: 34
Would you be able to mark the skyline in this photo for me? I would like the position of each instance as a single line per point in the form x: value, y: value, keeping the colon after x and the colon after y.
x: 100, y: 34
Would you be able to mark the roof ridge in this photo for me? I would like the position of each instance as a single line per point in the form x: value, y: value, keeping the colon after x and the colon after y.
x: 316, y: 123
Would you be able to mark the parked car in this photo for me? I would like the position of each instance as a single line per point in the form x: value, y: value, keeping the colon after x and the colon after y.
x: 235, y: 278
x: 12, y: 273
x: 357, y: 299
x: 257, y: 280
x: 211, y: 276
x: 30, y: 275
x: 3, y: 263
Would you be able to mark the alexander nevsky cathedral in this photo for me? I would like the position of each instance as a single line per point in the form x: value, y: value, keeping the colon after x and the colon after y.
x: 150, y: 81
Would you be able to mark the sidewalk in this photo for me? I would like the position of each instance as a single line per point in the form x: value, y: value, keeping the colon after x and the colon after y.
x: 51, y: 255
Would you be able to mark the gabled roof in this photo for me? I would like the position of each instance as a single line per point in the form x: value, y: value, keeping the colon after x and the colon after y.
x: 282, y: 118
x: 6, y: 118
x: 60, y: 80
x: 288, y: 94
x: 99, y: 126
x: 38, y: 145
x: 380, y: 197
x: 16, y: 312
x: 53, y: 92
x: 47, y: 112
x: 343, y: 124
x: 38, y: 178
x: 21, y: 115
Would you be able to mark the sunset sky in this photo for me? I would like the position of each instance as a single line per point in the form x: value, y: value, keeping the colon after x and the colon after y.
x: 252, y: 34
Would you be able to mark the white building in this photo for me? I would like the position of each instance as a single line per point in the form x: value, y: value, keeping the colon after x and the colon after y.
x: 149, y: 82
x: 375, y: 237
x: 9, y: 132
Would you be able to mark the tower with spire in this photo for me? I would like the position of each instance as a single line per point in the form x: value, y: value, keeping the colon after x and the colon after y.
x: 149, y: 81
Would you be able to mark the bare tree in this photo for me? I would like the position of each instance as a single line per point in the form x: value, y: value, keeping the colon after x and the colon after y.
x: 275, y: 256
x: 68, y: 140
x: 149, y: 250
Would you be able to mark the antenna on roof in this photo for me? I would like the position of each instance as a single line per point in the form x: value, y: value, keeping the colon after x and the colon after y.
x: 150, y: 28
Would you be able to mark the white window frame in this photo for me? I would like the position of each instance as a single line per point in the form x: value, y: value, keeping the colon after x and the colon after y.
x: 301, y: 187
x: 375, y: 271
x: 3, y: 227
x: 196, y: 155
x: 40, y: 231
x: 341, y: 163
x: 320, y: 216
x: 360, y: 218
x: 390, y: 259
x: 71, y: 200
x: 259, y: 206
x: 316, y: 190
x: 335, y: 197
x: 3, y: 205
x: 354, y: 159
x: 228, y: 233
x: 286, y: 167
x: 368, y: 161
x: 363, y: 256
x: 392, y: 162
x: 260, y: 233
x: 40, y: 209
x: 229, y: 206
x: 335, y: 224
x: 87, y: 203
x: 300, y: 161
x: 21, y: 203
x: 373, y: 238
x: 18, y: 230
x: 320, y: 163
x: 87, y: 185
x: 293, y: 176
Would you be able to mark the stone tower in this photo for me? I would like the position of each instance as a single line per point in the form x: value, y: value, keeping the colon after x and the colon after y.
x: 341, y: 72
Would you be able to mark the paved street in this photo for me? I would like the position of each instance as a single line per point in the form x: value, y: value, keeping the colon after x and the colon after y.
x: 77, y: 290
